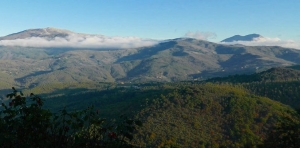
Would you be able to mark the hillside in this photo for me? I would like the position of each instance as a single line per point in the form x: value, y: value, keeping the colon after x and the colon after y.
x: 277, y: 74
x: 185, y: 114
x: 280, y: 84
x: 209, y: 115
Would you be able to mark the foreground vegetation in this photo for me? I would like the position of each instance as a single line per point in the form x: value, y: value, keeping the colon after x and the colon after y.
x: 24, y: 123
x: 236, y: 111
x: 183, y: 115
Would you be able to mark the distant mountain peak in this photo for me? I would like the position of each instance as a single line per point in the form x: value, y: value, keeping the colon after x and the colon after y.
x: 49, y: 32
x: 249, y: 37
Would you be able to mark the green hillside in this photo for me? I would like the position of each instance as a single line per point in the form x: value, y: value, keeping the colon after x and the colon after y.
x: 280, y: 84
x: 183, y: 114
x: 209, y: 115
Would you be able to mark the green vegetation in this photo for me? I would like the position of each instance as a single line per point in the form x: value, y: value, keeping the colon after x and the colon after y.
x: 210, y: 115
x: 285, y: 134
x: 24, y: 123
x: 187, y: 114
x: 236, y: 111
x: 280, y: 84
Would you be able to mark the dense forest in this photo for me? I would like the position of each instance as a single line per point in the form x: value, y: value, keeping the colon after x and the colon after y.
x: 280, y: 84
x: 258, y: 110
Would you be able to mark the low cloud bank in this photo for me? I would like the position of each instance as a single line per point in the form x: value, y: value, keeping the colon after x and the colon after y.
x: 201, y: 35
x: 265, y: 41
x: 81, y: 41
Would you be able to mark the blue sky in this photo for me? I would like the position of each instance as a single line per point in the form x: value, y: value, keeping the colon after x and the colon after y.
x: 156, y: 19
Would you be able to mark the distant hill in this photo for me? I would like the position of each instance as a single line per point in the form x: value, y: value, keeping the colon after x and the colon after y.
x: 277, y: 74
x: 249, y: 37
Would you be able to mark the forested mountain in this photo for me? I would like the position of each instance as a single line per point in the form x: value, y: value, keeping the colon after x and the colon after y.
x: 168, y: 60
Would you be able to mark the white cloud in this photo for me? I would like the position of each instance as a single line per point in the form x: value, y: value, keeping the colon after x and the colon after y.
x: 81, y: 41
x: 201, y: 35
x: 265, y: 41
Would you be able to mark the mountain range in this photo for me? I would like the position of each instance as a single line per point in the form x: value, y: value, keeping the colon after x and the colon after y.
x: 169, y: 60
x: 233, y: 111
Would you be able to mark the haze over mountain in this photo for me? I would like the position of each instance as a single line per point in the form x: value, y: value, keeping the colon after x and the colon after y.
x: 42, y: 56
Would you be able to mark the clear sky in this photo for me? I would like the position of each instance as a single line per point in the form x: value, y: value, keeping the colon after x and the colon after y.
x: 156, y: 19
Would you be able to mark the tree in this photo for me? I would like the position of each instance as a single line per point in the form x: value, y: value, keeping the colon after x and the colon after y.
x: 285, y: 134
x: 25, y: 123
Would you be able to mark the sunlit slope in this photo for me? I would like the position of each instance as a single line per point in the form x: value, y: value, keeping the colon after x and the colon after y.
x: 209, y: 114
